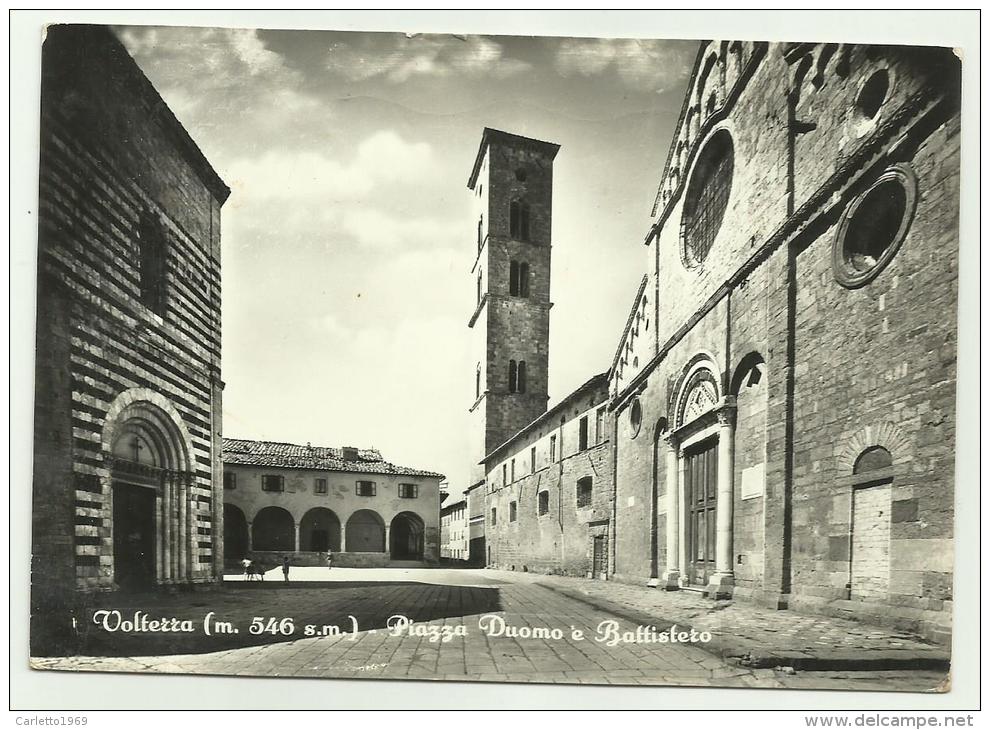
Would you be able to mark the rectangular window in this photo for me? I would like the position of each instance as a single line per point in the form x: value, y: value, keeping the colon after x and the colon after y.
x: 272, y: 483
x: 513, y: 278
x: 600, y: 426
x: 512, y: 511
x: 494, y: 515
x: 513, y: 470
x: 584, y: 492
x: 366, y: 489
x: 553, y: 449
x: 505, y: 479
x: 544, y: 503
x: 532, y: 460
x: 523, y: 279
x: 229, y: 480
x: 583, y: 434
x: 320, y: 486
x: 408, y: 491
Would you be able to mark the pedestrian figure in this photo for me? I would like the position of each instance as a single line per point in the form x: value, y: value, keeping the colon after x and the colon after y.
x: 285, y: 568
x: 329, y: 559
x: 246, y: 564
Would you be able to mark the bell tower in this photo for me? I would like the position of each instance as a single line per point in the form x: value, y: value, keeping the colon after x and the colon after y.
x: 512, y: 184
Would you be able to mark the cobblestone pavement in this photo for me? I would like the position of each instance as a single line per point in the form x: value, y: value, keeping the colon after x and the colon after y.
x: 470, y: 653
x: 763, y: 636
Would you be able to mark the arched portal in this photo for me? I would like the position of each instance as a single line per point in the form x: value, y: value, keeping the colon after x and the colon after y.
x: 406, y: 537
x: 319, y: 531
x: 235, y: 532
x: 147, y: 449
x: 274, y: 530
x: 365, y: 532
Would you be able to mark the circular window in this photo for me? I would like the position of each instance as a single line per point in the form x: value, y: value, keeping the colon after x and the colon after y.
x: 873, y: 94
x: 635, y: 418
x: 873, y: 227
x: 706, y: 199
x: 521, y: 175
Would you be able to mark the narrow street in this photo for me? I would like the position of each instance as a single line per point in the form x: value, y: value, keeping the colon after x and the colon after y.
x: 465, y: 625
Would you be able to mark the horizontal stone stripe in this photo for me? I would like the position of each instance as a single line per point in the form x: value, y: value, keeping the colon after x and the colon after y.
x: 118, y: 309
x: 136, y: 364
x: 91, y: 530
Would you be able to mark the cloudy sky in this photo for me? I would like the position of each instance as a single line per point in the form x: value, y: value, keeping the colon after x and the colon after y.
x: 347, y: 239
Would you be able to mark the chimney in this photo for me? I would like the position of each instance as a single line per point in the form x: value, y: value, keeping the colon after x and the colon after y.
x: 350, y: 453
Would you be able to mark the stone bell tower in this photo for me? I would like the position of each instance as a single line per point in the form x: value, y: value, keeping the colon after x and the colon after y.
x: 512, y: 183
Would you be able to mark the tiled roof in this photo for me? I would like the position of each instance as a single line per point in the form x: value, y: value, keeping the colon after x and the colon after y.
x: 243, y: 452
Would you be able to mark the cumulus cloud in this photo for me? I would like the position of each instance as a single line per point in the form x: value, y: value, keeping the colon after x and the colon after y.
x: 398, y: 58
x: 302, y: 175
x: 226, y: 80
x: 639, y: 63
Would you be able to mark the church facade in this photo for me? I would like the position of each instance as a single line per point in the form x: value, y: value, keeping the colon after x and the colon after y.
x: 128, y: 390
x: 788, y: 420
x: 780, y: 412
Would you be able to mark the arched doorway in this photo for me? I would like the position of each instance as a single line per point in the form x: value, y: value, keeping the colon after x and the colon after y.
x: 319, y: 531
x: 147, y: 448
x: 406, y: 537
x: 365, y: 532
x: 235, y: 532
x: 274, y: 530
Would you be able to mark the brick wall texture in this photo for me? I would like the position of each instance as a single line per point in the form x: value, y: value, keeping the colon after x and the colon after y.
x: 113, y: 158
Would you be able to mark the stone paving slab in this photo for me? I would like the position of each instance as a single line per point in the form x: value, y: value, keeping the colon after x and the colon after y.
x: 759, y: 637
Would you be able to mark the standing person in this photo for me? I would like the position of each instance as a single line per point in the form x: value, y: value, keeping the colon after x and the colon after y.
x: 329, y: 559
x: 285, y: 567
x: 246, y: 564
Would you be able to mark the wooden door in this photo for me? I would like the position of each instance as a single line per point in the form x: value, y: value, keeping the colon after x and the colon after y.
x: 599, y: 564
x: 700, y: 488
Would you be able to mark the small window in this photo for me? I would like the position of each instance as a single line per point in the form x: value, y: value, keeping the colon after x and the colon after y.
x: 521, y: 377
x: 481, y: 239
x: 477, y: 381
x: 518, y: 279
x: 544, y: 503
x: 320, y: 486
x: 152, y: 263
x: 479, y: 287
x: 366, y: 489
x: 512, y: 469
x: 513, y: 383
x: 553, y: 449
x: 519, y: 220
x: 494, y: 516
x: 521, y: 174
x: 584, y: 490
x: 229, y: 480
x: 408, y: 491
x: 272, y: 483
x: 873, y: 94
x: 504, y: 475
x: 600, y: 425
x: 583, y: 434
x: 635, y: 418
x: 532, y: 460
x: 512, y: 511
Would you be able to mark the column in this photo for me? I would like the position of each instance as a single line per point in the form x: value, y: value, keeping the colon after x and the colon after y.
x: 250, y: 545
x: 671, y: 577
x: 721, y: 582
x: 682, y: 519
x: 160, y: 534
x: 387, y: 526
x: 167, y: 552
x: 181, y: 535
x: 297, y: 537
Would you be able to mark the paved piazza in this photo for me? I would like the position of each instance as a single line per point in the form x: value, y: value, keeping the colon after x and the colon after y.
x: 445, y: 640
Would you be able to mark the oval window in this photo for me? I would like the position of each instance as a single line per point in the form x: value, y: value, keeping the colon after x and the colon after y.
x: 706, y: 199
x: 873, y: 227
x: 635, y: 418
